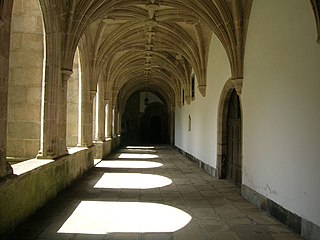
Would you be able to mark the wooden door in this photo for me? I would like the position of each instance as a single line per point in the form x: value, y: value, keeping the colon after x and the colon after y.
x: 234, y: 138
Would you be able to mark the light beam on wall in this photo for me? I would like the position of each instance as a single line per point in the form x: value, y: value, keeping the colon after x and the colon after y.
x: 132, y: 181
x: 94, y: 217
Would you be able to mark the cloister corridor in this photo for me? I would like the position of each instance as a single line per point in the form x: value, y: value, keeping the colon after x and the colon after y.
x: 150, y: 193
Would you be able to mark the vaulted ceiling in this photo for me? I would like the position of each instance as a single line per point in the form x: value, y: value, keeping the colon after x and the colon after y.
x: 132, y: 44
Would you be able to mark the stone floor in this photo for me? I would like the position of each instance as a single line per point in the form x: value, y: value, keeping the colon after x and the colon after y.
x: 170, y: 199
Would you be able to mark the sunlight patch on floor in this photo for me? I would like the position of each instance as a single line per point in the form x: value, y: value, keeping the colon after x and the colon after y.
x: 141, y: 150
x: 137, y: 156
x: 132, y: 181
x: 128, y: 164
x: 140, y: 147
x: 94, y: 217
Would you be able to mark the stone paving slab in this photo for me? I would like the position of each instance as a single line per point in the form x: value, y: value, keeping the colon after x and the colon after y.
x: 216, y: 207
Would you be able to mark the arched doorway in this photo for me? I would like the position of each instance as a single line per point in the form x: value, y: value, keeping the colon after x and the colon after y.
x: 155, y: 129
x: 234, y: 138
x: 145, y: 123
x: 230, y: 137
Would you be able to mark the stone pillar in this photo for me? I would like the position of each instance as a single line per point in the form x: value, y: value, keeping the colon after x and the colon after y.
x: 5, y: 24
x: 115, y: 130
x: 106, y: 119
x: 119, y: 123
x: 54, y: 119
x: 110, y: 117
x: 115, y: 112
x: 50, y: 146
x: 73, y: 104
x: 86, y: 108
x: 101, y: 111
x: 90, y: 125
x: 171, y: 119
x: 63, y: 112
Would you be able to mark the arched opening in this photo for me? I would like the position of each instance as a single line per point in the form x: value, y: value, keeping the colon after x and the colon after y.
x: 234, y: 130
x: 229, y: 157
x: 155, y: 129
x: 154, y: 124
x: 231, y: 162
x: 144, y: 123
x: 25, y: 81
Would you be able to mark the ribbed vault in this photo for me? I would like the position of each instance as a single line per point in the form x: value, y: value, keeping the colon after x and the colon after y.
x: 158, y: 43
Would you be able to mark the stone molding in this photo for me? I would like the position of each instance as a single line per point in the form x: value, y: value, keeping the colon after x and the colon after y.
x: 316, y: 10
x: 202, y: 89
x: 237, y: 83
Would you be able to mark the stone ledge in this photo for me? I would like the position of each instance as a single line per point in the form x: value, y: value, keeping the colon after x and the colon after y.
x: 29, y: 165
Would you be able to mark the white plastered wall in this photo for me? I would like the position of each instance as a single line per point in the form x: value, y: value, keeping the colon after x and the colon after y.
x: 281, y: 106
x: 201, y: 141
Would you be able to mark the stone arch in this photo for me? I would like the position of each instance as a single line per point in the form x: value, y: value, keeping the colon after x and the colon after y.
x: 222, y: 138
x: 25, y: 80
x: 155, y: 121
x: 316, y: 10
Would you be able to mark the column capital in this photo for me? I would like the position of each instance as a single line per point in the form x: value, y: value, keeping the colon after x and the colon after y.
x: 179, y: 103
x: 237, y: 83
x: 92, y: 95
x: 66, y: 73
x: 188, y: 99
x: 202, y: 89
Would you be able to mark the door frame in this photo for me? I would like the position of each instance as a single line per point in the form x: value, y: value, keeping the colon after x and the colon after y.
x: 222, y: 135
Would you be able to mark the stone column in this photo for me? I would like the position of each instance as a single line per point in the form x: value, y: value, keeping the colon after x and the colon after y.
x: 101, y: 111
x: 5, y: 24
x: 51, y: 104
x: 54, y: 119
x: 90, y: 125
x: 110, y: 117
x: 63, y: 112
x: 119, y: 123
x: 115, y: 108
x: 171, y: 119
x: 115, y: 133
x: 86, y: 108
x: 106, y: 119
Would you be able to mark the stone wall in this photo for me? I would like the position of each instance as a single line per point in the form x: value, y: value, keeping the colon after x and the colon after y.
x: 34, y: 188
x: 25, y: 77
x: 21, y: 196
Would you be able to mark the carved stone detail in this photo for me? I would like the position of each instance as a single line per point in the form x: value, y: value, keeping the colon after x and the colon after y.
x: 316, y: 10
x: 202, y: 89
x: 237, y: 83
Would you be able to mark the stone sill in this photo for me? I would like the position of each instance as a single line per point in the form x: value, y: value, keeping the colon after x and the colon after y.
x: 31, y: 164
